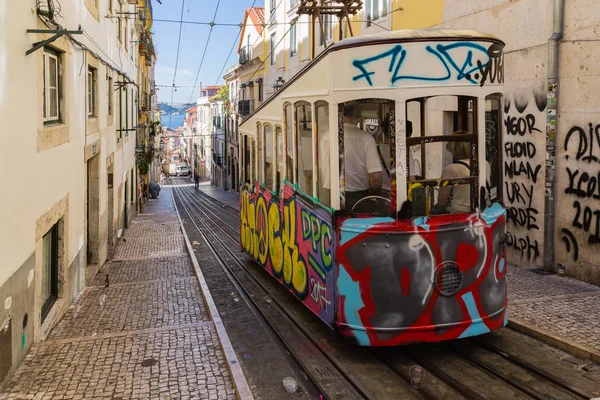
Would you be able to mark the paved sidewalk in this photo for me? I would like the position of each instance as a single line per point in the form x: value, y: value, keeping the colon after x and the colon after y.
x: 232, y: 199
x: 148, y: 334
x: 563, y: 312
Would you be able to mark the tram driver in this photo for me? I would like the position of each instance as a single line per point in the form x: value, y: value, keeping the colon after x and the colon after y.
x: 362, y: 166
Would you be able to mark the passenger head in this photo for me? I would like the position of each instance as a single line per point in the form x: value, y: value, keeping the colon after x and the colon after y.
x: 351, y: 114
x: 460, y: 150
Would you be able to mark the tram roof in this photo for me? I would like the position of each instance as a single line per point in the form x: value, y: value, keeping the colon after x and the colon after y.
x: 402, y: 35
x: 409, y: 35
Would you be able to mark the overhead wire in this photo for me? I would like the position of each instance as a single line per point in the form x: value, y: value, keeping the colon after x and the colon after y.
x: 177, y: 56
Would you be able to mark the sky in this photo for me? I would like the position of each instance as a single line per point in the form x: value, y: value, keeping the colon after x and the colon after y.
x: 193, y: 41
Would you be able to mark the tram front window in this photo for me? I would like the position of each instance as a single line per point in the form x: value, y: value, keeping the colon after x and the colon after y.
x: 442, y: 155
x: 368, y: 162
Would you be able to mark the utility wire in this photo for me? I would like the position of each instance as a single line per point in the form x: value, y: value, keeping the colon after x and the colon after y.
x: 204, y: 53
x: 177, y: 56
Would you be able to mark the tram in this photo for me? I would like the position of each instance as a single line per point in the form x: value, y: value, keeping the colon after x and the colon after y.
x: 374, y: 187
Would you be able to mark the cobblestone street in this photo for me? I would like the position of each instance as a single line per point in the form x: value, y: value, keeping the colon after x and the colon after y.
x: 148, y: 334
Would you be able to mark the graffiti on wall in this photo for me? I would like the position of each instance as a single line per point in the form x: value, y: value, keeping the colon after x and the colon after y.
x: 460, y: 62
x: 523, y: 174
x: 294, y: 243
x: 386, y: 271
x: 582, y: 147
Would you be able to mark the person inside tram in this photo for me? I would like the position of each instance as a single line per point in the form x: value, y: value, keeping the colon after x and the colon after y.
x: 363, y: 174
x: 456, y: 198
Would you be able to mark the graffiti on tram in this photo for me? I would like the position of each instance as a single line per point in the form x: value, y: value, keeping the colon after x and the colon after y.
x: 294, y: 243
x: 372, y: 251
x: 460, y: 62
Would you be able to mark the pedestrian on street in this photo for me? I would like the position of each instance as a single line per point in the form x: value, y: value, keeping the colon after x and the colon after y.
x: 196, y: 181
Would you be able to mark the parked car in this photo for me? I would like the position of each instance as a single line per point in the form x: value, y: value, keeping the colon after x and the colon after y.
x: 183, y: 170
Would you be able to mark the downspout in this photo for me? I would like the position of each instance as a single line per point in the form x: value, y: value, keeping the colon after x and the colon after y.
x: 551, y: 125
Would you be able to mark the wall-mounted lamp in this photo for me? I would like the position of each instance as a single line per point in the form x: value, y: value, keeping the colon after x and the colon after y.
x: 278, y: 84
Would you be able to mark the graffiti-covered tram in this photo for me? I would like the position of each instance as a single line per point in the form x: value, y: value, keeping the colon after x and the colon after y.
x: 373, y: 186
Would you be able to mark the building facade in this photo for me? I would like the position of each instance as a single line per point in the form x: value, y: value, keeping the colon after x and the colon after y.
x: 79, y: 69
x: 219, y: 143
x: 550, y: 105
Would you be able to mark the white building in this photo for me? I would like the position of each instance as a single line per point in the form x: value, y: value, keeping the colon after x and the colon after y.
x: 69, y: 95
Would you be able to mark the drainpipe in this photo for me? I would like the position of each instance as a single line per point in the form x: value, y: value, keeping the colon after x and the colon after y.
x: 551, y: 125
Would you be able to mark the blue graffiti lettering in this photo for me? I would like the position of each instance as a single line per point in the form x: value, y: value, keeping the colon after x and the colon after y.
x: 461, y: 67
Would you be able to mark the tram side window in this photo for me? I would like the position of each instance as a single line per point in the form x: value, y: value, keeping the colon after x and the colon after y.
x: 493, y: 155
x: 279, y: 158
x: 247, y: 164
x: 323, y: 156
x: 305, y: 147
x: 441, y: 149
x: 289, y: 144
x: 261, y: 151
x: 268, y: 167
x: 253, y: 160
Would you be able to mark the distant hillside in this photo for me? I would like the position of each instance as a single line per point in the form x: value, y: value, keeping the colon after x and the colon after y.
x: 174, y: 108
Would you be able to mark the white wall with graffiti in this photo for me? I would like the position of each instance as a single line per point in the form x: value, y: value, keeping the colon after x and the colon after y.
x: 526, y: 26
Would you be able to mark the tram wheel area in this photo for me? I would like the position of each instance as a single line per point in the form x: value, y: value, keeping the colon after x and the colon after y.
x: 503, y: 364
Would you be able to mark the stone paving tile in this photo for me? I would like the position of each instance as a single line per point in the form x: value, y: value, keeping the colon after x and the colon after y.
x: 145, y: 270
x: 133, y: 307
x: 525, y: 284
x: 181, y: 364
x: 573, y: 318
x: 141, y: 248
x: 150, y: 229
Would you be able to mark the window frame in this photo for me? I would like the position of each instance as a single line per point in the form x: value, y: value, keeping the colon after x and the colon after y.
x: 286, y: 125
x: 54, y: 263
x: 92, y: 92
x: 318, y: 105
x: 293, y: 39
x: 376, y: 10
x: 47, y: 55
x: 273, y: 47
x: 472, y: 139
x: 297, y: 138
x: 270, y: 186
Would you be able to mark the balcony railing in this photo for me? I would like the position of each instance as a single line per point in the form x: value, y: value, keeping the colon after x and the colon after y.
x: 245, y: 54
x: 245, y: 107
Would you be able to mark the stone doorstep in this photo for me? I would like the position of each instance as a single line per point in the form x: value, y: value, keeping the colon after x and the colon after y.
x: 567, y: 345
x: 236, y: 374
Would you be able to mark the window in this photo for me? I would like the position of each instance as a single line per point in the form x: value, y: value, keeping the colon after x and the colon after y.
x: 273, y: 44
x: 279, y: 158
x: 293, y: 39
x: 368, y: 165
x: 376, y: 9
x: 305, y: 147
x: 110, y: 94
x: 268, y: 167
x: 120, y: 24
x: 91, y: 92
x: 272, y: 12
x: 289, y: 137
x: 51, y: 87
x: 493, y: 153
x: 442, y: 141
x: 259, y: 82
x: 327, y: 28
x: 323, y: 153
x: 253, y: 160
x: 50, y: 264
x: 261, y: 155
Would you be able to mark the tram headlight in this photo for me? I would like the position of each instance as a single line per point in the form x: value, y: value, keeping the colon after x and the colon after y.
x: 448, y: 279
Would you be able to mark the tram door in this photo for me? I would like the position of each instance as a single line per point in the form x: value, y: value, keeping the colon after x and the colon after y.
x: 367, y: 153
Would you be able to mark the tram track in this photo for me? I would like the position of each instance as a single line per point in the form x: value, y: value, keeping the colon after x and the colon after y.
x: 489, y: 367
x: 315, y: 364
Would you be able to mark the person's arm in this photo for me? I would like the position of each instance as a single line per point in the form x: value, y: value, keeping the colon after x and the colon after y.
x: 375, y: 182
x: 373, y: 166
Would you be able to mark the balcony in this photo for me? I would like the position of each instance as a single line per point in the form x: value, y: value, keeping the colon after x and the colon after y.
x: 219, y: 122
x: 245, y: 107
x: 245, y: 54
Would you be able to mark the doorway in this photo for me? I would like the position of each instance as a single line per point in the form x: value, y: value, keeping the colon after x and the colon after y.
x: 110, y: 206
x: 92, y: 209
